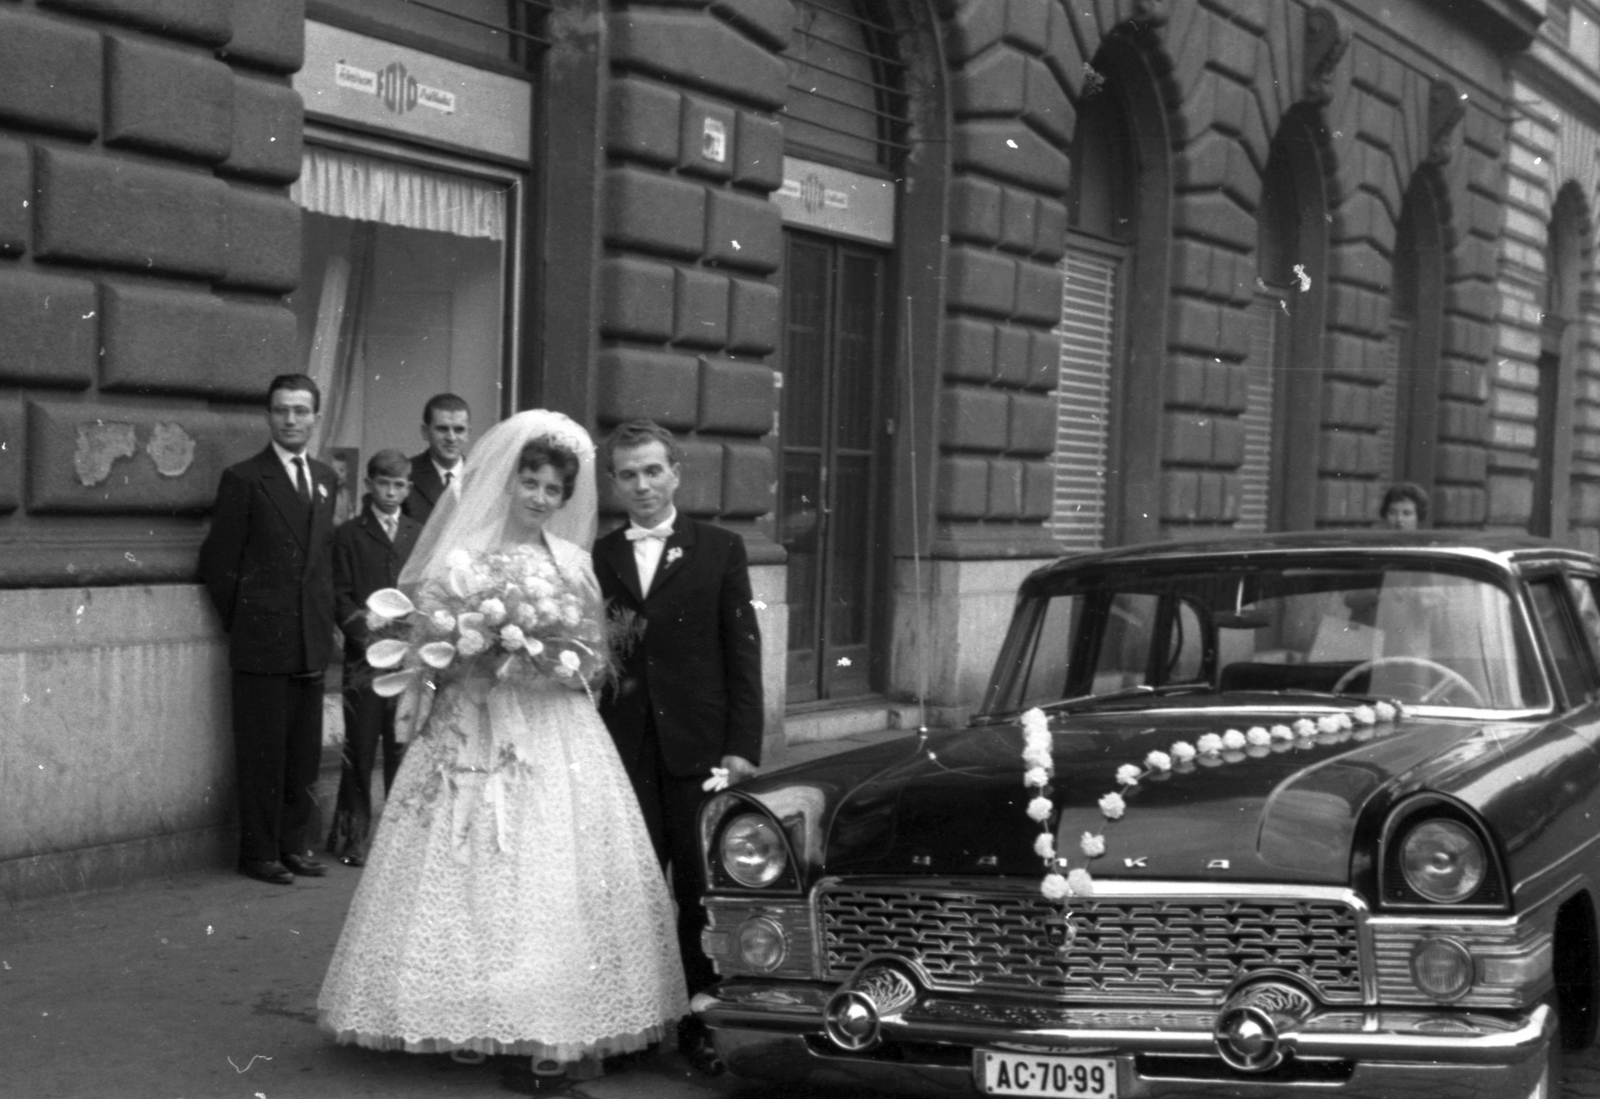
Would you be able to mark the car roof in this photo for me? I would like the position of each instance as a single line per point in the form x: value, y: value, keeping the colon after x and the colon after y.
x: 1507, y: 549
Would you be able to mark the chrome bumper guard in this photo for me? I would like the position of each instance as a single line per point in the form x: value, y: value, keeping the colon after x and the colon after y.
x: 792, y: 1027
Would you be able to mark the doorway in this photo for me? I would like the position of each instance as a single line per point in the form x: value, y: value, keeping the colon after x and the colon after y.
x: 828, y: 497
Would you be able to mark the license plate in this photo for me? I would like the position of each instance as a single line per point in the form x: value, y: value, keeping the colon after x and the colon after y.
x: 1056, y: 1077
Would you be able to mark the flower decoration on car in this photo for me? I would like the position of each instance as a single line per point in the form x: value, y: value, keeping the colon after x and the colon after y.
x: 1061, y: 880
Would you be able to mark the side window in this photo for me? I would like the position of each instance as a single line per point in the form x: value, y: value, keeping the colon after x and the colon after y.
x: 1582, y: 588
x: 1045, y: 680
x: 1572, y: 665
x: 1125, y: 646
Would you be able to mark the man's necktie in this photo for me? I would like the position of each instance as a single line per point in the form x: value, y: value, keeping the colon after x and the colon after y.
x: 448, y: 477
x: 391, y: 525
x: 301, y: 483
x: 639, y: 534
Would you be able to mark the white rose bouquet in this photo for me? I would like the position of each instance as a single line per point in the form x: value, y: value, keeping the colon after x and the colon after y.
x: 503, y: 613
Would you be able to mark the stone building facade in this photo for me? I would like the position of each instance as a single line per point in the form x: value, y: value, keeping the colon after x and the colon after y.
x: 932, y: 291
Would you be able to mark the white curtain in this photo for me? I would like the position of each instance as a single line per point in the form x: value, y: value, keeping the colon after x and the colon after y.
x: 349, y: 185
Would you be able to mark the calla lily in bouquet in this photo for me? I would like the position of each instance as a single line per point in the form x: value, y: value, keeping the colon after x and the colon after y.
x: 503, y: 614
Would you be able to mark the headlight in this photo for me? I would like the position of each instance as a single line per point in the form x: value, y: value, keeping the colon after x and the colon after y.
x: 1443, y: 861
x: 752, y: 851
x: 761, y: 944
x: 1442, y: 968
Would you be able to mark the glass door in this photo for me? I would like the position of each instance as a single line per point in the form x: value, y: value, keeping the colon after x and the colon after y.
x: 828, y: 497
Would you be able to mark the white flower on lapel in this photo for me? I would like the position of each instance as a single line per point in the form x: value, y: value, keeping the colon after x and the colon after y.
x: 322, y: 491
x: 674, y: 553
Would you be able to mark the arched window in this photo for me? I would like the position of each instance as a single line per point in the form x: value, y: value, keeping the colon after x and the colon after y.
x: 1107, y: 472
x: 847, y: 101
x: 1408, y: 399
x: 1557, y: 363
x: 1277, y: 477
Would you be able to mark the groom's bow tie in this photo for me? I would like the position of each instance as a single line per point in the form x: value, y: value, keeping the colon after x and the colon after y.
x: 639, y: 534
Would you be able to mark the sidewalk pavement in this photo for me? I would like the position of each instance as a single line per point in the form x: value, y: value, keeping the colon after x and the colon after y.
x: 204, y: 985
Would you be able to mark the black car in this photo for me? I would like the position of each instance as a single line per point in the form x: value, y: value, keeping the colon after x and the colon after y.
x: 1350, y: 847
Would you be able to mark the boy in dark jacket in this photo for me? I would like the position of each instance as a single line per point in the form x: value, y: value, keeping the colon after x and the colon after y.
x: 368, y: 553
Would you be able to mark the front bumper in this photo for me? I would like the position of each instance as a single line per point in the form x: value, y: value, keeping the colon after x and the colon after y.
x: 775, y: 1030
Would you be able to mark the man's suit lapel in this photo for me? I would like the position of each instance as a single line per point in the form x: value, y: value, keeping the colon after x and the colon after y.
x: 281, y: 491
x: 672, y: 563
x: 425, y: 480
x: 404, y: 539
x: 618, y: 553
x: 324, y: 489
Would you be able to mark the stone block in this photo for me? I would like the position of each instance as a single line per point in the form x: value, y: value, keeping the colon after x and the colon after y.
x: 1038, y: 292
x: 34, y: 53
x: 643, y: 121
x: 659, y: 385
x: 1227, y: 442
x: 770, y: 22
x: 1032, y: 424
x: 1010, y: 150
x: 736, y: 398
x: 636, y: 298
x: 1233, y: 50
x: 975, y: 210
x: 701, y: 490
x: 969, y: 349
x: 117, y: 213
x: 963, y: 488
x: 1468, y: 381
x: 1191, y: 266
x: 1474, y: 298
x: 12, y: 444
x: 16, y: 193
x: 1510, y: 499
x: 973, y: 28
x: 981, y: 281
x: 254, y: 341
x: 49, y: 329
x: 1186, y: 382
x: 1045, y: 104
x: 158, y: 338
x: 993, y: 84
x: 1050, y: 242
x: 208, y: 22
x: 1220, y: 162
x: 1215, y: 217
x: 753, y: 312
x: 167, y: 100
x: 706, y: 138
x: 1462, y: 463
x: 758, y: 152
x: 743, y: 232
x: 1186, y: 438
x: 1038, y: 490
x: 267, y: 123
x: 1011, y: 355
x: 973, y: 418
x: 1044, y: 360
x: 1463, y: 422
x: 263, y: 241
x: 1005, y: 489
x: 1354, y: 309
x: 1234, y: 333
x: 1180, y: 495
x: 1227, y: 387
x: 655, y: 213
x: 747, y: 480
x: 693, y: 49
x: 104, y: 458
x: 1457, y: 506
x: 1193, y: 325
x: 268, y: 34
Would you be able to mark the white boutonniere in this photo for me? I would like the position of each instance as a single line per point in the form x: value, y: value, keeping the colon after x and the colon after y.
x: 322, y: 491
x: 674, y: 553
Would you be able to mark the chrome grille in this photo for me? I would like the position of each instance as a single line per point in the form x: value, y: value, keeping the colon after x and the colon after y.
x: 1151, y: 949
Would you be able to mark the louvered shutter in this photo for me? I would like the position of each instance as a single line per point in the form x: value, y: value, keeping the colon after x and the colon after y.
x: 1399, y: 331
x: 1083, y: 399
x: 1255, y: 473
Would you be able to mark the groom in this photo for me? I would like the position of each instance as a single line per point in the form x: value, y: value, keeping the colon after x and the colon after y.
x: 688, y: 694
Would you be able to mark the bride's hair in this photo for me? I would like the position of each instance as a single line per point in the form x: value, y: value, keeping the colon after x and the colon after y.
x: 540, y: 453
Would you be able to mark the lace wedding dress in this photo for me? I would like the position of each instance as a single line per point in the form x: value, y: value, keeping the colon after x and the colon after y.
x: 511, y: 902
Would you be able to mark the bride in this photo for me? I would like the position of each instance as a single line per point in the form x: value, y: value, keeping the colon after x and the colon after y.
x: 512, y: 902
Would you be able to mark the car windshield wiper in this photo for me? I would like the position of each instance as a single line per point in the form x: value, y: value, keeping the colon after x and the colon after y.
x: 1142, y: 690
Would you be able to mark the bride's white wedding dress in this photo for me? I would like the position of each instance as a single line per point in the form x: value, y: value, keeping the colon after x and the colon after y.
x: 511, y: 902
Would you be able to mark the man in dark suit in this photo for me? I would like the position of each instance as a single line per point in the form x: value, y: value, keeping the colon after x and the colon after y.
x: 447, y: 426
x: 368, y: 553
x: 268, y: 564
x: 688, y: 696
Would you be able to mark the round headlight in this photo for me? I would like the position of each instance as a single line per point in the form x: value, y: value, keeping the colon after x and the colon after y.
x: 761, y: 944
x: 1442, y: 968
x: 1443, y: 861
x: 752, y: 851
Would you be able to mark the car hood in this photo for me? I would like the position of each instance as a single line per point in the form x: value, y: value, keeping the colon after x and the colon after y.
x: 954, y: 804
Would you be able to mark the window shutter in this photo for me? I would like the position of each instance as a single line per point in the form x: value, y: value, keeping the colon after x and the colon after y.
x: 1255, y: 474
x: 1083, y: 399
x: 1399, y: 330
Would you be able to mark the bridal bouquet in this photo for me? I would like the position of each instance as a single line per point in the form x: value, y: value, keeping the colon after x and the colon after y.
x: 506, y: 613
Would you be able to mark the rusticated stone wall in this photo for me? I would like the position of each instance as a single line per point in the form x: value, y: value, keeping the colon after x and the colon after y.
x: 146, y: 241
x: 688, y: 306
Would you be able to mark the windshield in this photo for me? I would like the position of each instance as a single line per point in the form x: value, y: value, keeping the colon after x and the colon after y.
x: 1415, y: 635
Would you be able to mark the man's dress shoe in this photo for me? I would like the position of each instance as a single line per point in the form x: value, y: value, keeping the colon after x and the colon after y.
x: 267, y: 870
x: 304, y: 865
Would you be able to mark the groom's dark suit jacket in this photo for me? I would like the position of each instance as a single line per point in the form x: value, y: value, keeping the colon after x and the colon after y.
x: 697, y: 665
x: 426, y: 488
x: 268, y: 564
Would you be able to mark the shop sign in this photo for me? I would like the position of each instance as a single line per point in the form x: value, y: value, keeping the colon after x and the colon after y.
x: 832, y: 200
x: 349, y: 77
